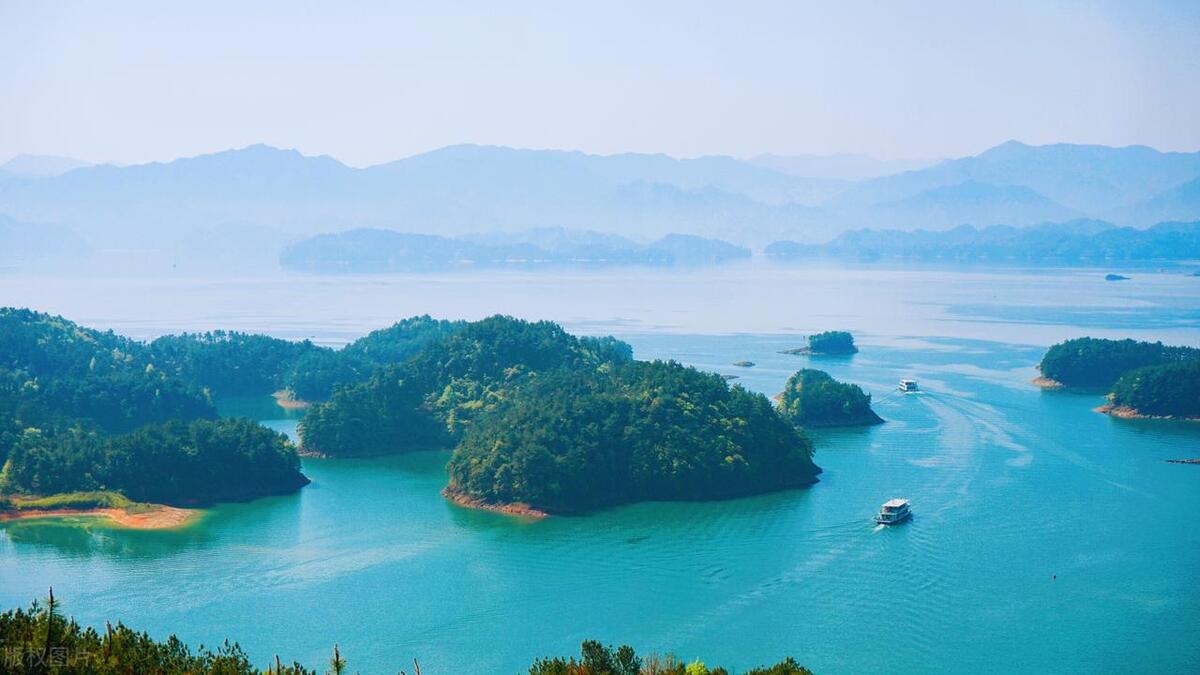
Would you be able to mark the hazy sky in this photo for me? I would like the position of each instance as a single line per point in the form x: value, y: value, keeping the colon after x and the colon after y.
x: 369, y: 82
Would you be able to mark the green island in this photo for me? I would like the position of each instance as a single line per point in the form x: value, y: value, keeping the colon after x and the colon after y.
x: 1143, y: 379
x: 812, y: 398
x: 828, y: 343
x: 89, y: 419
x: 541, y: 421
x: 40, y: 639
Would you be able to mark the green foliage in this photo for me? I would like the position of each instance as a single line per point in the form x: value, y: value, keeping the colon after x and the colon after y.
x: 74, y: 500
x: 597, y: 659
x: 316, y: 374
x: 54, y: 373
x: 564, y: 423
x: 832, y: 342
x: 429, y: 400
x: 40, y: 641
x: 231, y: 363
x: 813, y: 398
x: 1093, y: 363
x: 567, y: 441
x: 1172, y: 389
x: 171, y: 462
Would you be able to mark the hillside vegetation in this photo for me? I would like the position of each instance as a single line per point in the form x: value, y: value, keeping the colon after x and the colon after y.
x: 541, y: 417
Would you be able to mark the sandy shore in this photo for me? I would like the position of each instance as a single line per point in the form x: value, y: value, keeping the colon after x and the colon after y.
x: 284, y: 400
x: 155, y: 518
x: 522, y: 510
x: 1127, y: 413
x: 1047, y: 383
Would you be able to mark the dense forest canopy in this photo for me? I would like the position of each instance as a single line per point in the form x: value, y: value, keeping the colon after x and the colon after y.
x: 832, y: 342
x: 539, y: 416
x: 569, y: 441
x: 176, y: 462
x: 813, y: 398
x: 41, y: 640
x: 1168, y: 390
x: 87, y: 410
x: 1095, y: 363
x: 428, y: 400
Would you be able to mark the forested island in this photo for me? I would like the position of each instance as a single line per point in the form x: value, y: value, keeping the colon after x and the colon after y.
x: 828, y: 343
x: 1079, y: 242
x: 364, y: 251
x: 538, y: 420
x: 41, y: 640
x: 84, y: 411
x: 541, y: 421
x: 812, y: 398
x: 1143, y: 379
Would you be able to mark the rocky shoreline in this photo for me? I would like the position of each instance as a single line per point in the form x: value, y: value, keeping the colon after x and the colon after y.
x: 1047, y: 383
x: 467, y: 501
x: 1127, y: 413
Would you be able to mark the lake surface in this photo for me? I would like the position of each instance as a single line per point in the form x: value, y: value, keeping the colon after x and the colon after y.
x: 1046, y: 537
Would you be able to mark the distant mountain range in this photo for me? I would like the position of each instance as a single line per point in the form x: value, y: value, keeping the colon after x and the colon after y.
x: 379, y: 251
x: 1073, y: 242
x: 40, y: 166
x: 845, y: 167
x: 243, y: 206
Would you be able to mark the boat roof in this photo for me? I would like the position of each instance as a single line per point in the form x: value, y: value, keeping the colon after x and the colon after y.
x: 895, y: 503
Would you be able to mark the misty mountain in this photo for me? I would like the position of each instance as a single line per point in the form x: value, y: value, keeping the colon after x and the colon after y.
x: 1080, y: 241
x: 239, y: 207
x: 1181, y: 202
x: 1092, y: 179
x: 37, y: 166
x: 964, y: 203
x: 23, y: 245
x: 363, y: 251
x: 841, y: 167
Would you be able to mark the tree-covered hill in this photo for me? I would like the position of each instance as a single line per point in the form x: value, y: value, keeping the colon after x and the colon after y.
x: 563, y: 423
x: 1168, y: 390
x: 1095, y: 363
x: 570, y: 441
x: 427, y: 400
x: 82, y: 409
x: 814, y: 399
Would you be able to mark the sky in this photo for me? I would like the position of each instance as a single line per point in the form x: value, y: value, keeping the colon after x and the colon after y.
x: 367, y: 82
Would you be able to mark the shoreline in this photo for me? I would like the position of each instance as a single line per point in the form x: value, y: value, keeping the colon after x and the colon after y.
x: 1127, y: 413
x: 158, y: 517
x: 283, y: 399
x: 518, y: 510
x: 1047, y: 383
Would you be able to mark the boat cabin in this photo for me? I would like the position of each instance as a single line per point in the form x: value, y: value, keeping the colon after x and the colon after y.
x: 893, y: 511
x: 908, y: 385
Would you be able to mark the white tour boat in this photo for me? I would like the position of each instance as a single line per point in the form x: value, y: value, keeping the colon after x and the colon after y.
x: 894, y: 511
x: 908, y: 385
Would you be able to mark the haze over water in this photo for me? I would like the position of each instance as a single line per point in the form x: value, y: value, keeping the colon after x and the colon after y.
x: 1046, y: 537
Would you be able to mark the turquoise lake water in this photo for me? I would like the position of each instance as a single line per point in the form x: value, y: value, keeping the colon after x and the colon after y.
x: 1046, y: 537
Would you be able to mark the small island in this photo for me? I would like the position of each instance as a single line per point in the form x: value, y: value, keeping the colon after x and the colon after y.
x: 744, y: 364
x: 812, y: 398
x: 1146, y: 380
x: 829, y: 343
x: 1115, y: 277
